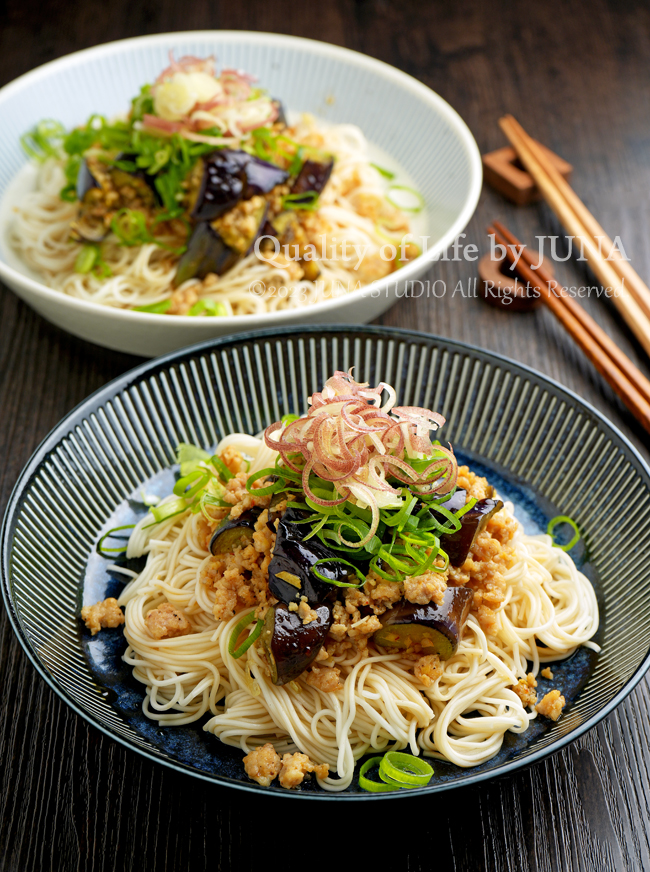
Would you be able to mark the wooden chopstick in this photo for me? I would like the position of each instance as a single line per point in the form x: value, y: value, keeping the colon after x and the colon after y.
x: 623, y: 362
x: 618, y: 370
x: 635, y: 283
x: 629, y: 299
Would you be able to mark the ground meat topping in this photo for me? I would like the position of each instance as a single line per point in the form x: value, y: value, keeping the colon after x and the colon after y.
x: 326, y: 678
x: 167, y: 622
x: 475, y: 485
x: 382, y: 594
x: 365, y: 627
x: 232, y: 458
x: 428, y: 669
x: 546, y: 672
x: 426, y: 588
x: 484, y: 571
x: 551, y: 705
x: 263, y: 764
x: 102, y: 614
x: 305, y: 612
x: 240, y: 577
x: 296, y: 766
x: 236, y: 494
x: 525, y: 690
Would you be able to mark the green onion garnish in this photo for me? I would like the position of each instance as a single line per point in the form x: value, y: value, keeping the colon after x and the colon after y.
x: 564, y: 519
x: 387, y: 174
x: 155, y: 308
x: 414, y: 207
x: 44, y: 140
x: 109, y: 552
x: 86, y: 259
x: 241, y: 625
x: 307, y: 201
x: 224, y: 473
x: 326, y: 560
x: 397, y: 771
x: 210, y: 307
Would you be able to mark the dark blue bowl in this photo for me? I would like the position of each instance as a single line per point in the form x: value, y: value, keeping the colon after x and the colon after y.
x: 543, y: 447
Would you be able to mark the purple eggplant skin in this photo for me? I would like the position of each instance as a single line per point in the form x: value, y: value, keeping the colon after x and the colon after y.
x: 437, y: 629
x: 85, y: 180
x: 291, y: 646
x: 262, y: 177
x: 229, y: 176
x: 232, y: 533
x: 293, y: 557
x: 208, y: 252
x: 457, y: 545
x: 222, y: 185
x: 313, y: 176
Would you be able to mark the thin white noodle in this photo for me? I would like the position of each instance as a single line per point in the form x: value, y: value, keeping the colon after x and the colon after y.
x: 381, y: 704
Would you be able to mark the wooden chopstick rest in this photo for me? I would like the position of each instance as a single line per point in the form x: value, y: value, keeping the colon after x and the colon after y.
x: 503, y: 289
x: 504, y: 172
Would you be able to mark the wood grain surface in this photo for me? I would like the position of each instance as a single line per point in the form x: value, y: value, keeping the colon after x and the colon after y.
x: 577, y: 77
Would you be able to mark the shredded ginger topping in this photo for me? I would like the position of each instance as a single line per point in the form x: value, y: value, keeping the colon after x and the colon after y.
x: 350, y: 439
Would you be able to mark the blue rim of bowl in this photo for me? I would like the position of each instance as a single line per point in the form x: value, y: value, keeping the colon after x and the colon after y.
x: 409, y: 271
x: 122, y: 383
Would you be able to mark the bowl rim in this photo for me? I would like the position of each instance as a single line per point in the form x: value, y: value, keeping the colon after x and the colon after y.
x: 122, y: 382
x: 380, y: 68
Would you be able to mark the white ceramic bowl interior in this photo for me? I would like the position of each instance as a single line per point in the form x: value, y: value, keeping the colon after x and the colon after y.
x: 411, y: 130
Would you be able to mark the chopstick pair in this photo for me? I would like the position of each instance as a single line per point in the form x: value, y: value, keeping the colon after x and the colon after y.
x: 618, y: 370
x: 630, y: 294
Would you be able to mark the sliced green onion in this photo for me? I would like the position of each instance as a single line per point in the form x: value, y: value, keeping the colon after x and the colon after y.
x: 366, y: 783
x: 322, y: 577
x: 241, y: 625
x: 167, y: 510
x: 308, y: 201
x: 419, y: 199
x: 405, y: 769
x: 210, y: 307
x: 190, y: 457
x: 44, y: 140
x: 564, y: 519
x: 397, y: 771
x: 289, y: 419
x: 387, y: 174
x: 273, y: 488
x: 155, y: 308
x: 188, y: 486
x: 130, y: 227
x: 111, y: 535
x: 86, y: 259
x: 224, y: 473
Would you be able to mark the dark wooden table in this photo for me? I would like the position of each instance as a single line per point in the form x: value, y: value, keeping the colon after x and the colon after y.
x: 577, y: 76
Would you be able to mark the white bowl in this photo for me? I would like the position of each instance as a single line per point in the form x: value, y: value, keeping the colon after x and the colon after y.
x: 407, y: 124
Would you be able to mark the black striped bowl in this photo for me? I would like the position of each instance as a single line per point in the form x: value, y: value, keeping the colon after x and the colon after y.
x: 542, y: 447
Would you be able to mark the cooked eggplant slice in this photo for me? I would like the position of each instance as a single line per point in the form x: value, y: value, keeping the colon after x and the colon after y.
x: 458, y: 544
x: 235, y: 532
x: 291, y: 646
x: 313, y: 176
x: 215, y: 247
x: 221, y: 187
x: 290, y: 575
x: 230, y: 176
x: 85, y: 180
x: 262, y: 177
x: 437, y: 629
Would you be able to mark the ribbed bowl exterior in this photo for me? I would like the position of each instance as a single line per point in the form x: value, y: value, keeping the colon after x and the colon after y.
x: 506, y: 417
